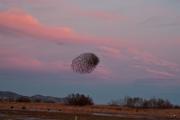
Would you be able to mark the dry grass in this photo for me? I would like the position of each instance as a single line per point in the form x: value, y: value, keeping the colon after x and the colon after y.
x: 44, y: 109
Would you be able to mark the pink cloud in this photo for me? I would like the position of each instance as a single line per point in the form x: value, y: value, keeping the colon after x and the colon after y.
x: 161, y: 74
x: 155, y: 72
x: 144, y: 61
x: 150, y: 59
x: 23, y: 23
x: 103, y: 72
x: 101, y: 15
x: 110, y: 51
x: 152, y: 64
x: 18, y: 22
x: 12, y: 59
x: 141, y: 59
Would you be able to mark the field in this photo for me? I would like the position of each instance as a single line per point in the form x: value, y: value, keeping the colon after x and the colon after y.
x: 52, y: 111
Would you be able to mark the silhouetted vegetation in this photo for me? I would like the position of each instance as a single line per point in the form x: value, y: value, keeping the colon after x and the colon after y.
x: 23, y: 108
x: 12, y: 107
x: 177, y: 107
x: 49, y: 101
x: 7, y: 100
x: 82, y: 100
x: 37, y: 100
x: 23, y: 99
x: 137, y: 102
x: 78, y: 99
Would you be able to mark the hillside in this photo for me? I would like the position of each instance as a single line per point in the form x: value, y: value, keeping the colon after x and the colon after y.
x: 7, y: 95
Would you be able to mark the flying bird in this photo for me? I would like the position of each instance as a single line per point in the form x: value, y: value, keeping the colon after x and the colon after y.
x: 85, y: 63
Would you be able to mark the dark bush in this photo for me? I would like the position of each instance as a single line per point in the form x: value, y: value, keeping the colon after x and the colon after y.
x: 49, y: 101
x: 23, y: 99
x: 10, y: 100
x: 137, y: 102
x: 23, y: 108
x: 12, y: 107
x: 177, y: 107
x: 78, y: 100
x: 37, y: 100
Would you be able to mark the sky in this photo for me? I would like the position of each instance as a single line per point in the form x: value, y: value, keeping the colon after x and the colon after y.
x: 136, y: 41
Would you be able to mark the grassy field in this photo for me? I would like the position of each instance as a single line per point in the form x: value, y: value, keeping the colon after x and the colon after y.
x: 52, y: 111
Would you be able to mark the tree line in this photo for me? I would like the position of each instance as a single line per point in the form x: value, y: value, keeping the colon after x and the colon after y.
x: 72, y: 99
x: 82, y: 100
x: 137, y: 102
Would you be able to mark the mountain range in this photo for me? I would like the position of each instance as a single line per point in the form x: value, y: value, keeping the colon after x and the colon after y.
x: 7, y: 95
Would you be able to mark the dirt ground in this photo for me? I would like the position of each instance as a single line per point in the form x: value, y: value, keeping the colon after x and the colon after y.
x: 53, y: 111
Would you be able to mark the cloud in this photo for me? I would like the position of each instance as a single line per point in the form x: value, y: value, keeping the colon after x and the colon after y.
x: 16, y: 22
x: 152, y: 64
x: 20, y: 23
x: 110, y: 51
x: 103, y: 72
x: 149, y: 59
x: 156, y: 72
x: 140, y: 61
x: 166, y: 20
x: 130, y: 55
x: 161, y: 74
x: 100, y: 15
x: 14, y: 60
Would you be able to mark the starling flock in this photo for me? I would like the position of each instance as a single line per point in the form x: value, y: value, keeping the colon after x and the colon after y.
x: 85, y: 63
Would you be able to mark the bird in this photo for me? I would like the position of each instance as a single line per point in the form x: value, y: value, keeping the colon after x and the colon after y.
x: 85, y: 63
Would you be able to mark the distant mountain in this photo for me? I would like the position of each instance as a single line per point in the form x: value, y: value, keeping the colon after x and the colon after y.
x: 6, y: 95
x: 47, y: 98
x: 9, y: 95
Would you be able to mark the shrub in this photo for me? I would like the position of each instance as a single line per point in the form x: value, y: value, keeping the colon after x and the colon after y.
x: 37, y: 100
x: 177, y: 107
x: 23, y: 108
x: 78, y: 100
x: 12, y: 107
x: 137, y: 102
x: 23, y: 99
